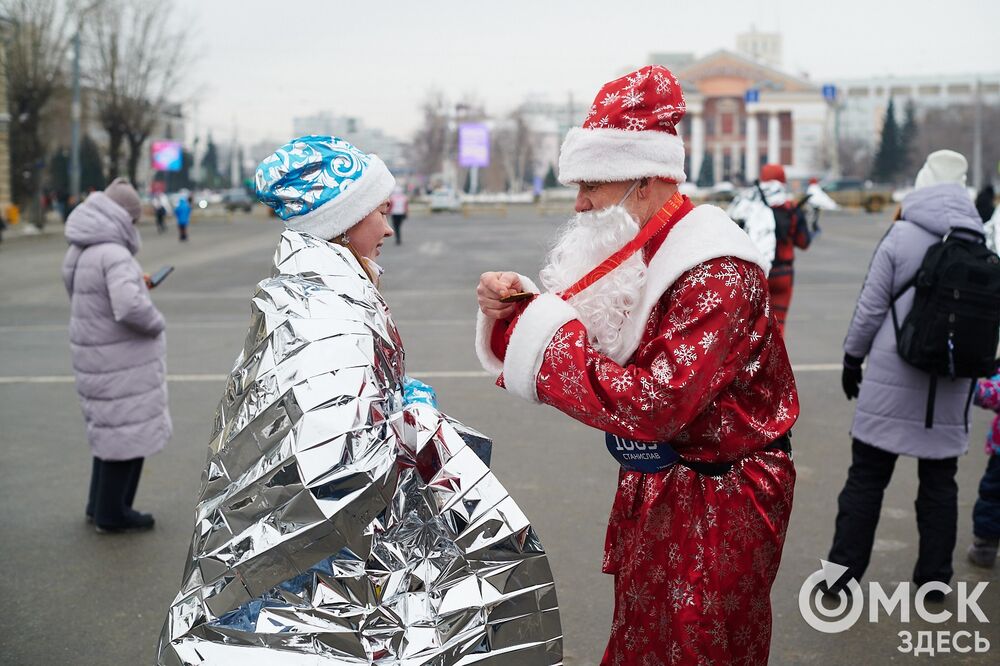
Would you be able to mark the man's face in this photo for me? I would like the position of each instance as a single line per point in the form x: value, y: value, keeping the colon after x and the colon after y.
x: 598, y: 196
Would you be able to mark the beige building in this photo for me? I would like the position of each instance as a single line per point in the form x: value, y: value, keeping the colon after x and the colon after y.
x: 742, y: 114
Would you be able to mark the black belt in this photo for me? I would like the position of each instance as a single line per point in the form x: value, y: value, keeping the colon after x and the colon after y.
x: 783, y: 443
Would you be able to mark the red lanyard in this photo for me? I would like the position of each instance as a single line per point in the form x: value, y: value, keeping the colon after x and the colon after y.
x: 664, y: 219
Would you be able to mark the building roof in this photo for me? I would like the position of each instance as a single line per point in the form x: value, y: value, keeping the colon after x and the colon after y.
x: 742, y: 73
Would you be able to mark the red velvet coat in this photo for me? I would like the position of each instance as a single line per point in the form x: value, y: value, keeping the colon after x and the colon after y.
x: 693, y: 556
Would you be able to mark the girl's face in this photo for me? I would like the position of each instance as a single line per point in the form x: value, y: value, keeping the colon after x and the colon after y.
x: 367, y: 235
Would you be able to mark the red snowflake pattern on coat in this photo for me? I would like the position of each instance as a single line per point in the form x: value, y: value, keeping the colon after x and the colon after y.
x: 693, y: 556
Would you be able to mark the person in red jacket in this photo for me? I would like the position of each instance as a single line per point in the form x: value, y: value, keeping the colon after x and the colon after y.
x: 655, y: 328
x: 791, y: 230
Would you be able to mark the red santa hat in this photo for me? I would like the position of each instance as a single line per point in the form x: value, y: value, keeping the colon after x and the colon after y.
x: 772, y: 172
x: 630, y: 132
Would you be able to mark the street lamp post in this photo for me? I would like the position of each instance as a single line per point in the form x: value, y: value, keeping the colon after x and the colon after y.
x: 977, y: 138
x: 5, y: 170
x: 74, y: 158
x: 831, y: 97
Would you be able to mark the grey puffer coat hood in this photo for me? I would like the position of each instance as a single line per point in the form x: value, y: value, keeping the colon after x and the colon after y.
x: 893, y: 400
x: 116, y: 334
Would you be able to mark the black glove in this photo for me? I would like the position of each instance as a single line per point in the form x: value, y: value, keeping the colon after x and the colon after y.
x: 850, y: 379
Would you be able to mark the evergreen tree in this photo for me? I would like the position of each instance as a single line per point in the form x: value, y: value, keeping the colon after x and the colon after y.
x: 889, y: 156
x: 550, y: 178
x: 91, y: 168
x: 706, y: 175
x: 908, y: 139
x: 59, y: 171
x: 210, y: 175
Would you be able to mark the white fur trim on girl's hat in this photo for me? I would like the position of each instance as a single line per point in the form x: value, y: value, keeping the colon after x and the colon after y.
x: 322, y: 185
x: 942, y: 166
x: 355, y: 203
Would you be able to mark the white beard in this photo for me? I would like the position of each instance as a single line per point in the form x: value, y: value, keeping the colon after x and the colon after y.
x: 583, y: 243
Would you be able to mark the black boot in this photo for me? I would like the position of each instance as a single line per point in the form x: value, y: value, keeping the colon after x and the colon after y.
x: 133, y: 482
x: 112, y: 514
x: 95, y: 472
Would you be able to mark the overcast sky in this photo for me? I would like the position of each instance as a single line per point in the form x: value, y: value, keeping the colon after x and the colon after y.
x: 259, y: 63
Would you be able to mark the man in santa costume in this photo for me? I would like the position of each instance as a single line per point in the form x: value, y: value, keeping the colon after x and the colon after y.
x: 777, y: 224
x: 655, y: 328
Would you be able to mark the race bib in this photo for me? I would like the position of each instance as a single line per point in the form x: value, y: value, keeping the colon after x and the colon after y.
x: 645, y: 457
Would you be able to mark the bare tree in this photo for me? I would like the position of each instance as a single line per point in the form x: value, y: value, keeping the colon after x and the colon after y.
x: 138, y: 59
x: 952, y: 128
x: 520, y: 149
x: 37, y: 40
x: 856, y: 158
x: 431, y: 140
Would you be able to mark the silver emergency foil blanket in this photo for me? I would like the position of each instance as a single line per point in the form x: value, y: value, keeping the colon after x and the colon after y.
x: 338, y: 526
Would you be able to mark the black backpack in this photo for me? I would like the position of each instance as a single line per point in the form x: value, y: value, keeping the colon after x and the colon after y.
x: 782, y: 222
x: 954, y: 326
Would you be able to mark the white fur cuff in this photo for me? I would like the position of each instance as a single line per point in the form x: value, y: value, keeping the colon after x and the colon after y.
x: 484, y: 335
x: 534, y: 331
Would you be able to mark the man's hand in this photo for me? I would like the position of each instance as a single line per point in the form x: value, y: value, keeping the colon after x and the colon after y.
x: 492, y: 287
x: 148, y: 280
x: 850, y: 378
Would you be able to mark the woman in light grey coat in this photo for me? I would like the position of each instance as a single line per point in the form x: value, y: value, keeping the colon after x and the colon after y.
x: 893, y: 399
x: 119, y: 352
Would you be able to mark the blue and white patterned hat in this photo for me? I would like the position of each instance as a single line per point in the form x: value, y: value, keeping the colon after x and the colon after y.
x: 322, y: 185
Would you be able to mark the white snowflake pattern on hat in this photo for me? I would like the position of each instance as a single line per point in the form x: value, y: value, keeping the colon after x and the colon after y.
x: 663, y: 84
x: 610, y: 98
x: 632, y: 99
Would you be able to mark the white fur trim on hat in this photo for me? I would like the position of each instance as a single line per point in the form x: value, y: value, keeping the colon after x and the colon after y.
x: 942, y: 166
x: 607, y: 155
x: 533, y: 332
x: 351, y: 206
x: 484, y: 335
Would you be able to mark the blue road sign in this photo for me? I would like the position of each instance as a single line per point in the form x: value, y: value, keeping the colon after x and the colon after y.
x: 751, y: 95
x: 830, y: 92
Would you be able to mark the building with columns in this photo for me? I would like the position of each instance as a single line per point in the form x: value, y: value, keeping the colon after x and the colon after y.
x: 742, y: 113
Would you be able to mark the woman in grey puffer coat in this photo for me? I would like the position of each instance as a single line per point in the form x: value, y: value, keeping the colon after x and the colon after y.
x: 893, y: 398
x: 119, y: 352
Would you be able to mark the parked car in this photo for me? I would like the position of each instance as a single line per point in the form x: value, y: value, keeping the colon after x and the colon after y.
x: 445, y: 199
x: 722, y: 192
x: 857, y: 193
x: 237, y: 198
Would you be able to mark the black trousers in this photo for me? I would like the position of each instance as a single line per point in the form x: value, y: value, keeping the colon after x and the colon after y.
x: 860, y: 503
x: 986, y: 512
x: 113, y: 484
x: 397, y: 227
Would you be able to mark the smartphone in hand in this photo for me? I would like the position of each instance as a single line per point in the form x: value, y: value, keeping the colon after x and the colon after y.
x: 160, y: 275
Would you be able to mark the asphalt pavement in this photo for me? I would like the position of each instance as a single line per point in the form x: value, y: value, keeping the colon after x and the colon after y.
x: 72, y: 596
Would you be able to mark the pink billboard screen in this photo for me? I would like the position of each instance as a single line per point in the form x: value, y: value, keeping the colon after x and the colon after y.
x: 166, y: 156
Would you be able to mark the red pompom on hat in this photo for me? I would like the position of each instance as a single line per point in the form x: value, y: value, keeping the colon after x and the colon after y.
x: 630, y: 132
x: 772, y: 172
